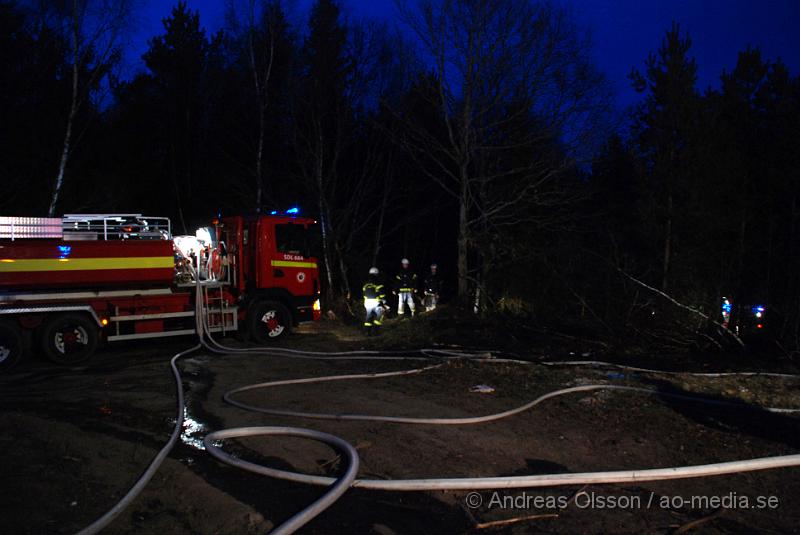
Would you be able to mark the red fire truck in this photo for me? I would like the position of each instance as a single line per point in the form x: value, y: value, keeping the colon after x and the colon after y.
x: 68, y: 284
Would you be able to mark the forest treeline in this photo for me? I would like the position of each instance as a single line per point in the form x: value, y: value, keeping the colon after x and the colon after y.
x: 478, y: 135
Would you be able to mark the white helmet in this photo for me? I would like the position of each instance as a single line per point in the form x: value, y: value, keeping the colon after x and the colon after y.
x: 405, y: 261
x: 373, y: 271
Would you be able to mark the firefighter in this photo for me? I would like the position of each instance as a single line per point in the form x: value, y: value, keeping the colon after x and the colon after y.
x: 194, y: 264
x: 433, y: 287
x: 406, y: 285
x: 374, y: 296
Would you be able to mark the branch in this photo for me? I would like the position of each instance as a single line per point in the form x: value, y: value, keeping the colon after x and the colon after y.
x: 681, y: 305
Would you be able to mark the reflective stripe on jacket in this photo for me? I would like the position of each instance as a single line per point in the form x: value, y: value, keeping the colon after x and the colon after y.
x: 373, y: 290
x: 406, y: 281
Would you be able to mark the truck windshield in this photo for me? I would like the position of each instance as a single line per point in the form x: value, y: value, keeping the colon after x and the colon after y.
x: 293, y: 239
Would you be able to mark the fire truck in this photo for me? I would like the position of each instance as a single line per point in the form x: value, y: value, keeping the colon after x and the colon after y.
x: 72, y: 283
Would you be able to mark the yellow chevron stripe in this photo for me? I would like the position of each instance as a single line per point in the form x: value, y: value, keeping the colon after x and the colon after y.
x: 15, y: 265
x: 291, y: 263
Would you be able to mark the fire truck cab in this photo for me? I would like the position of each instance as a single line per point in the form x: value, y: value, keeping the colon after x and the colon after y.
x: 68, y: 284
x: 277, y: 277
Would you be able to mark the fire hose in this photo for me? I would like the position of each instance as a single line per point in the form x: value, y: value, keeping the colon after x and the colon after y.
x: 338, y: 486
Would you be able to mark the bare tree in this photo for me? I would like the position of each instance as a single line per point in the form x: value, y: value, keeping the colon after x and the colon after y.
x: 346, y: 76
x: 261, y: 31
x: 382, y: 209
x: 518, y: 100
x: 94, y: 30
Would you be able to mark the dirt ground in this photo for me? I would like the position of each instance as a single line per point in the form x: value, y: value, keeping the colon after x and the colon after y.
x: 75, y: 440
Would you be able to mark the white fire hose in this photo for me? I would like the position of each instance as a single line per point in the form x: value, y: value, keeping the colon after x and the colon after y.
x: 339, y: 486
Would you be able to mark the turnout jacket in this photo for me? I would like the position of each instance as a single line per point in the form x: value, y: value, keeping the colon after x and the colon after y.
x: 433, y: 283
x: 406, y: 281
x: 373, y: 289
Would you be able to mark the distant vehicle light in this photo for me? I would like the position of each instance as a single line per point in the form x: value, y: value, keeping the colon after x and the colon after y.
x: 274, y: 212
x: 759, y: 326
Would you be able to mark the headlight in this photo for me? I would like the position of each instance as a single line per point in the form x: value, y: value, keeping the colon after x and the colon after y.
x: 316, y: 305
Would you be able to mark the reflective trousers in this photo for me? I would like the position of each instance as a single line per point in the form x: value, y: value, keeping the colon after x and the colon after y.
x: 430, y: 301
x: 374, y: 312
x: 404, y: 298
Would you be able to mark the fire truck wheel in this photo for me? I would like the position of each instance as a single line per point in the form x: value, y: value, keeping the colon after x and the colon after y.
x: 11, y: 345
x: 69, y: 338
x: 268, y: 320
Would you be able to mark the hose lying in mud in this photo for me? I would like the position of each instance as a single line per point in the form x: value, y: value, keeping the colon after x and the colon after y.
x: 603, y: 364
x: 482, y: 483
x: 338, y: 486
x: 152, y: 468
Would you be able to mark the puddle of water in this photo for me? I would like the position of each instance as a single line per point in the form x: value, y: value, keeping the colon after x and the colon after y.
x: 200, y: 360
x: 197, y: 382
x: 193, y: 431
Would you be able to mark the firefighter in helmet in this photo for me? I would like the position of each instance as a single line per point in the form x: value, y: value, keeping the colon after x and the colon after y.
x: 406, y: 285
x: 433, y: 287
x: 374, y: 296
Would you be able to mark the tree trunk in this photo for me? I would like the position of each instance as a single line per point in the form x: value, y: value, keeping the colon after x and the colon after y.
x: 173, y: 169
x: 379, y: 230
x: 463, y: 286
x: 73, y: 111
x: 378, y: 235
x: 189, y: 153
x: 740, y: 260
x: 62, y: 165
x: 667, y: 245
x: 262, y: 101
x: 323, y: 220
x: 259, y: 161
x: 326, y: 256
x: 342, y: 270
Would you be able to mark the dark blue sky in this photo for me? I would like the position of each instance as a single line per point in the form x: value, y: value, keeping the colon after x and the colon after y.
x: 624, y: 31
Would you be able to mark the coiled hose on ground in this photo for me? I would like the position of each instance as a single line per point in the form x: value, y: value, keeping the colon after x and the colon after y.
x: 338, y: 486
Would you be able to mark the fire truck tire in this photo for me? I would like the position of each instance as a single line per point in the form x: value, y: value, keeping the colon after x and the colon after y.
x: 268, y: 321
x: 69, y: 338
x: 11, y: 345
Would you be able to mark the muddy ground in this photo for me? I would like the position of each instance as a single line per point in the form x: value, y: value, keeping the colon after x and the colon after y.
x: 74, y: 440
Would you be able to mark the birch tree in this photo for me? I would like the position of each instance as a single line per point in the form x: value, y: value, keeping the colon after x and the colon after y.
x: 94, y: 29
x: 265, y: 47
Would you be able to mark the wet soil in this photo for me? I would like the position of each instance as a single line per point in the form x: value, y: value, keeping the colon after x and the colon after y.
x: 74, y: 440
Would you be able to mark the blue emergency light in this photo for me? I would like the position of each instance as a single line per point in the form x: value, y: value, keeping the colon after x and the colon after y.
x: 294, y: 210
